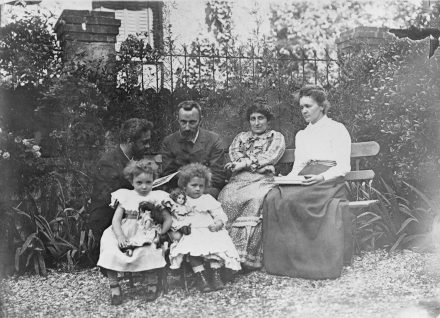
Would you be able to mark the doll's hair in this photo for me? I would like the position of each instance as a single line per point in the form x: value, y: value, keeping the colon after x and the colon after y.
x: 135, y: 168
x: 174, y: 194
x: 155, y: 211
x: 192, y: 170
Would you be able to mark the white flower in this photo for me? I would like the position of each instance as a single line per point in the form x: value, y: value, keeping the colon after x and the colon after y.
x: 36, y: 148
x: 17, y: 139
x: 26, y: 142
x: 6, y: 155
x: 37, y: 154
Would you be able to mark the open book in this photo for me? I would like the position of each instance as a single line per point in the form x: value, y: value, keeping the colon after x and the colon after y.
x: 163, y: 180
x: 289, y: 180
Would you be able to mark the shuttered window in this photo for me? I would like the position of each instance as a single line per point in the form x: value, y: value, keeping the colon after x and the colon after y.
x: 133, y: 22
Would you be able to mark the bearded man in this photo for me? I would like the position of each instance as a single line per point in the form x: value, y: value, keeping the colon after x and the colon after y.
x: 134, y: 143
x: 193, y: 144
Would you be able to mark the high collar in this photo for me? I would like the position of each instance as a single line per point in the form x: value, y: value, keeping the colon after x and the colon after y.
x: 320, y: 123
x: 266, y: 134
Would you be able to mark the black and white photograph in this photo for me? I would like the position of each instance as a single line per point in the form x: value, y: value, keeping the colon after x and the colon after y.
x: 220, y: 158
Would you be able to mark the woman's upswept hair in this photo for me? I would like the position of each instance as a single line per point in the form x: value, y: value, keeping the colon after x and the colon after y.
x: 135, y: 168
x: 318, y: 94
x: 259, y: 106
x: 186, y: 173
x: 133, y: 128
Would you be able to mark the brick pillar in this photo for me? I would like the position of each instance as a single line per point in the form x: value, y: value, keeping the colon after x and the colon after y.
x: 351, y: 40
x: 92, y: 33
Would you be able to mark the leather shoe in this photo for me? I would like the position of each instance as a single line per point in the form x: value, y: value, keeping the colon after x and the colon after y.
x: 216, y: 282
x: 202, y: 282
x: 116, y: 299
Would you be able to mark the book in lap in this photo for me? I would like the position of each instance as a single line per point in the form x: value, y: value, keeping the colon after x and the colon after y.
x: 289, y: 180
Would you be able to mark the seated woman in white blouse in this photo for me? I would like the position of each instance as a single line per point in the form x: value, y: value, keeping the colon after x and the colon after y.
x: 305, y: 226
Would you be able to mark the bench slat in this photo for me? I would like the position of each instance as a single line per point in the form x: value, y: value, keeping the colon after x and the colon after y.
x: 364, y: 149
x: 288, y: 156
x: 358, y: 150
x: 359, y: 175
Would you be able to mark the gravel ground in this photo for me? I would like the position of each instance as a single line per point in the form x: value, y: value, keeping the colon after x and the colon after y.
x: 377, y: 285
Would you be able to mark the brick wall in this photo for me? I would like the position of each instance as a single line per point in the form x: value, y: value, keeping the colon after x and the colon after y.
x: 371, y: 36
x: 91, y: 33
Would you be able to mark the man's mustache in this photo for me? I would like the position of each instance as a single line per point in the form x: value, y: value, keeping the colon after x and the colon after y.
x: 187, y: 133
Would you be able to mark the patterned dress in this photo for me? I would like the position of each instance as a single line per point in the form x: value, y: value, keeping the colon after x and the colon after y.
x: 243, y: 196
x: 216, y: 246
x: 133, y: 226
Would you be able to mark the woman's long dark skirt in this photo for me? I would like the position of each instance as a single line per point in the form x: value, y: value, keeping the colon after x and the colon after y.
x: 306, y: 230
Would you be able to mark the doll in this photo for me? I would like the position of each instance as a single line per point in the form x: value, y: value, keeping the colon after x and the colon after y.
x: 178, y: 209
x: 147, y: 227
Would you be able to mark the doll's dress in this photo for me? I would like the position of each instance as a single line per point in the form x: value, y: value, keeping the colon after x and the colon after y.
x: 145, y: 232
x: 144, y: 257
x: 217, y: 246
x: 178, y: 214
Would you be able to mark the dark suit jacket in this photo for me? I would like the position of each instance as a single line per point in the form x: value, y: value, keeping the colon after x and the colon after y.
x: 108, y: 177
x: 208, y: 150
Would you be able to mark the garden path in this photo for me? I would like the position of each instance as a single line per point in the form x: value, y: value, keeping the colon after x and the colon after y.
x: 377, y: 285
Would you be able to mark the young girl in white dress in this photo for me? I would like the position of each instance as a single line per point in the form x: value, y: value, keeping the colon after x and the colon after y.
x: 134, y: 227
x: 208, y: 240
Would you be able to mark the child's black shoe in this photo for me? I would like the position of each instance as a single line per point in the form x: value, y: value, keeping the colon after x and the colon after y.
x: 216, y: 281
x: 116, y: 299
x: 202, y: 282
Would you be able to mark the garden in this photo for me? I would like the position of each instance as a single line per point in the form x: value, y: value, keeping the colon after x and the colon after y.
x: 58, y: 116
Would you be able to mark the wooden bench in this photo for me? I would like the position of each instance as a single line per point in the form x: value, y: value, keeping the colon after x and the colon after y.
x: 359, y: 181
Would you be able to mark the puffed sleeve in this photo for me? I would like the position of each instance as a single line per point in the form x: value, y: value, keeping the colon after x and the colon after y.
x: 216, y: 209
x: 274, y: 151
x: 341, y: 147
x: 237, y: 150
x: 300, y: 157
x: 119, y: 197
x: 160, y: 197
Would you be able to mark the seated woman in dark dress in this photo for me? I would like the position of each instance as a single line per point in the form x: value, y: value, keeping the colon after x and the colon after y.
x: 304, y: 224
x: 253, y: 155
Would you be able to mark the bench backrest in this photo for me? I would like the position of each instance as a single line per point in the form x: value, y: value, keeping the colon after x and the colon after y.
x: 359, y: 150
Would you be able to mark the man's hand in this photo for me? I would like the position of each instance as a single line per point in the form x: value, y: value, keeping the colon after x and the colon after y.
x: 216, y: 226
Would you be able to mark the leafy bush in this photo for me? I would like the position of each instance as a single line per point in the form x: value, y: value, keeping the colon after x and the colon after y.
x: 398, y: 220
x: 29, y: 51
x: 391, y: 95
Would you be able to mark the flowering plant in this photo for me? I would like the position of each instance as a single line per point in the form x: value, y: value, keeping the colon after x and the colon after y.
x: 20, y: 163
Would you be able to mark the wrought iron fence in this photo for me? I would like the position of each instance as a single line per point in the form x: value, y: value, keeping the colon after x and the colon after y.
x: 208, y: 67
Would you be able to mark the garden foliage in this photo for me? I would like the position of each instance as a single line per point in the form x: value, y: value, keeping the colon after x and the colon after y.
x: 60, y: 116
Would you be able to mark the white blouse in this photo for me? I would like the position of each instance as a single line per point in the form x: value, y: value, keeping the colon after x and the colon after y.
x: 325, y: 140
